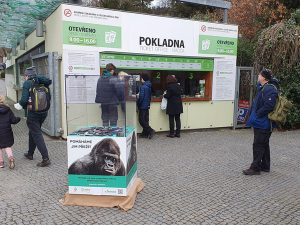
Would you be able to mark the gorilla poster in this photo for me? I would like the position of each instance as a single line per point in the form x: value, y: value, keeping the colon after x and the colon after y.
x: 104, y: 159
x: 102, y: 165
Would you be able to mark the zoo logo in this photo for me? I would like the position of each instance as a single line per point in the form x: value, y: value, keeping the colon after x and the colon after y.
x: 110, y: 37
x: 67, y: 12
x: 87, y: 190
x: 205, y: 44
x: 203, y: 28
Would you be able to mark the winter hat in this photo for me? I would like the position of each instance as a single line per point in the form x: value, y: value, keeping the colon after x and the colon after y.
x: 2, y: 99
x: 145, y: 77
x: 30, y: 71
x: 266, y: 73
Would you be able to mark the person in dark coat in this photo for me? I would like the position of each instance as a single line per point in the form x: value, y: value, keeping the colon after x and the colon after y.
x: 144, y: 106
x: 263, y: 104
x: 106, y: 95
x: 34, y: 121
x: 7, y: 137
x: 174, y: 106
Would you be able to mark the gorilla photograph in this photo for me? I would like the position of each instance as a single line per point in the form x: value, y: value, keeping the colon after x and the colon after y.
x: 104, y: 159
x: 132, y: 157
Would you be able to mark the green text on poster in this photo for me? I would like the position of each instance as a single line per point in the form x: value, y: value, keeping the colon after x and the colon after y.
x: 86, y: 34
x: 217, y: 45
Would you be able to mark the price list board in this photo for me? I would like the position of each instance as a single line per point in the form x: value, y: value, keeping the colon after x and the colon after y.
x: 156, y: 63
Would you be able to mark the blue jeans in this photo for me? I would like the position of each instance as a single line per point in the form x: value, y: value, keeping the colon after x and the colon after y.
x: 36, y: 138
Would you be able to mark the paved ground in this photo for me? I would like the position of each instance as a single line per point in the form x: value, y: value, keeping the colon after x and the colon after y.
x: 196, y: 179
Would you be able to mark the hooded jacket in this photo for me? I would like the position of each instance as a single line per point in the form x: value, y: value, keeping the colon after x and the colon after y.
x: 263, y: 104
x: 145, y: 95
x: 106, y: 91
x: 25, y: 94
x: 6, y: 119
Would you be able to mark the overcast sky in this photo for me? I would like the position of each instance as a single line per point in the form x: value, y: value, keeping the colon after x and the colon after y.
x: 153, y: 3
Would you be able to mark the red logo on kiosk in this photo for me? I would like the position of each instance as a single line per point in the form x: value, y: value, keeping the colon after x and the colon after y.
x: 203, y: 28
x: 70, y: 68
x: 68, y: 12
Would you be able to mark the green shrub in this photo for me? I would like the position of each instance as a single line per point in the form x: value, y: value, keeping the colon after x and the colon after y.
x: 245, y: 52
x: 277, y: 48
x: 289, y: 84
x: 2, y: 74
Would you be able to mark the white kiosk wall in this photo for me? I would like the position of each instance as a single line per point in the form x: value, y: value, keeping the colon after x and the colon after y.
x: 93, y: 31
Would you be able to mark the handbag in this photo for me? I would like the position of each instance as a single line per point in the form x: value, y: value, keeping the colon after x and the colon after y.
x: 164, y: 103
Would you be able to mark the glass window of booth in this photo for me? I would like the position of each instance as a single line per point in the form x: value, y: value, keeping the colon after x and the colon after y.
x: 193, y: 83
x: 194, y: 75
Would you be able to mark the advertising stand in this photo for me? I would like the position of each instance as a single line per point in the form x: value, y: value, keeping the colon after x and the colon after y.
x: 102, y: 144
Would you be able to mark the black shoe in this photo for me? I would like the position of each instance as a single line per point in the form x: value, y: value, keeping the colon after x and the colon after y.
x: 170, y: 135
x: 251, y: 172
x: 265, y: 170
x: 45, y: 162
x: 177, y: 135
x: 30, y: 157
x: 151, y: 134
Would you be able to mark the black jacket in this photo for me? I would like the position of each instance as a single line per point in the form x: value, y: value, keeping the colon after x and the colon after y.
x: 106, y: 90
x: 173, y: 95
x: 6, y: 119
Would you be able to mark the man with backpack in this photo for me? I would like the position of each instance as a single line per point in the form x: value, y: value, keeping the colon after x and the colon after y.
x: 263, y: 104
x: 35, y: 101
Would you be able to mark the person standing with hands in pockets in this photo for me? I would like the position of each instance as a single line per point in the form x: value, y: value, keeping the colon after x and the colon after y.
x: 263, y: 104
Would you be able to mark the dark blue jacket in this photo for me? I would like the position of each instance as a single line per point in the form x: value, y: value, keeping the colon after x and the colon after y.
x: 145, y: 95
x: 25, y: 94
x: 106, y: 90
x: 263, y: 104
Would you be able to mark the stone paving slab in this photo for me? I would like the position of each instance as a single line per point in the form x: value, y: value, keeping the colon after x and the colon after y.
x: 195, y: 179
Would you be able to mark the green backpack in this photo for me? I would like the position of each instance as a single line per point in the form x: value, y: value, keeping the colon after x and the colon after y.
x: 281, y: 109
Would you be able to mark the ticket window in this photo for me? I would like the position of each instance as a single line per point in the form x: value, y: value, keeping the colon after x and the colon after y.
x: 191, y: 82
